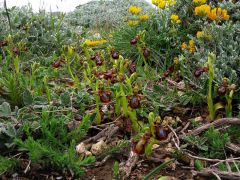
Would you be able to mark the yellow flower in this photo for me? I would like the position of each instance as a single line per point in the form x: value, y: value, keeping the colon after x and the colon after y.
x: 144, y: 17
x: 162, y: 4
x: 191, y: 43
x: 132, y: 22
x: 184, y: 45
x: 202, y: 10
x: 218, y: 14
x: 213, y: 14
x: 175, y: 18
x: 95, y: 42
x: 134, y: 9
x: 199, y: 2
x: 225, y: 15
x: 191, y: 46
x: 200, y: 34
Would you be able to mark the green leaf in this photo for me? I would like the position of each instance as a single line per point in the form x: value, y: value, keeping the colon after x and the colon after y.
x: 65, y: 99
x: 157, y: 169
x: 148, y: 148
x: 27, y: 97
x: 163, y: 178
x: 116, y: 169
x: 5, y: 110
x: 198, y: 165
x: 40, y: 100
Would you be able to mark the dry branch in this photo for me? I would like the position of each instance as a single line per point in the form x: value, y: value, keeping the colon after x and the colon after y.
x: 126, y: 168
x: 233, y: 147
x: 221, y: 174
x: 107, y: 132
x: 216, y: 123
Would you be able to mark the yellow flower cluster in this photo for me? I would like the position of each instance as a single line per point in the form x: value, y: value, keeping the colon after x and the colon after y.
x: 134, y: 9
x: 202, y: 10
x: 175, y: 18
x: 199, y: 34
x: 218, y: 14
x: 144, y: 17
x: 95, y: 42
x: 162, y: 4
x: 136, y: 19
x: 190, y: 46
x: 132, y: 22
x: 213, y: 14
x: 199, y: 2
x: 184, y: 45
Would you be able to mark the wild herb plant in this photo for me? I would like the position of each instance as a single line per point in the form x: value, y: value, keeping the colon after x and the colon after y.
x: 55, y: 146
x: 211, y: 143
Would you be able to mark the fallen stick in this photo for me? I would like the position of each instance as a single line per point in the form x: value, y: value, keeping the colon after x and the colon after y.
x: 216, y: 123
x: 233, y: 147
x: 107, y: 132
x: 221, y: 174
x: 126, y: 168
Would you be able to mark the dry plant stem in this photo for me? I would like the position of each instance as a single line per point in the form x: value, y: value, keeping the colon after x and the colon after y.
x: 227, y: 160
x: 216, y: 123
x: 101, y: 163
x: 104, y: 133
x: 126, y: 168
x: 197, y: 157
x: 185, y: 128
x: 235, y: 164
x: 109, y: 123
x: 216, y: 175
x: 233, y: 147
x: 28, y: 167
x: 221, y: 174
x: 174, y: 133
x: 212, y: 160
x: 111, y: 133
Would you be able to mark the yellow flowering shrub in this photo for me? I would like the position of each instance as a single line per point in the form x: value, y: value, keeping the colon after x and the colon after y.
x: 134, y: 9
x: 162, y: 4
x: 199, y: 2
x: 175, y: 18
x: 144, y: 17
x: 95, y: 42
x: 202, y: 10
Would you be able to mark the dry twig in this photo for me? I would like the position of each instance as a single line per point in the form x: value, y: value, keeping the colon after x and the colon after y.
x: 126, y: 168
x: 220, y: 174
x: 216, y: 123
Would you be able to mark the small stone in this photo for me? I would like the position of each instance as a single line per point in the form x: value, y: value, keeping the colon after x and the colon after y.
x: 155, y: 146
x: 178, y: 119
x: 80, y: 148
x: 88, y: 153
x: 98, y: 147
x: 198, y: 119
